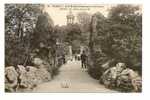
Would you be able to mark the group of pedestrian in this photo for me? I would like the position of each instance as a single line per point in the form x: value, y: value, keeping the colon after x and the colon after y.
x: 82, y: 57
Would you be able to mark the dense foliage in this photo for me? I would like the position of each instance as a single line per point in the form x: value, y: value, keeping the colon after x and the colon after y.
x: 73, y: 36
x: 20, y: 20
x: 31, y: 43
x: 118, y: 37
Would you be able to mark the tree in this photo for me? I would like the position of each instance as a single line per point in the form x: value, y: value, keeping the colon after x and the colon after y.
x: 44, y: 39
x: 131, y: 42
x: 73, y: 34
x: 95, y: 56
x: 117, y: 37
x: 20, y: 20
x: 43, y: 32
x: 84, y: 20
x: 123, y: 36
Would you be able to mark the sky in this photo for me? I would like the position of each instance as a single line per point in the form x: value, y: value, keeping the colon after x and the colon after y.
x: 58, y: 12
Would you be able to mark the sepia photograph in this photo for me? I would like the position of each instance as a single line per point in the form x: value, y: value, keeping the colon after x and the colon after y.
x: 73, y: 48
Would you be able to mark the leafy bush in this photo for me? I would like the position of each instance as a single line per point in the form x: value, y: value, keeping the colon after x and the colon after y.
x: 96, y: 70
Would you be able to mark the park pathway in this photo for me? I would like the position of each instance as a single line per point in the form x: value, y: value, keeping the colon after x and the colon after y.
x: 75, y: 78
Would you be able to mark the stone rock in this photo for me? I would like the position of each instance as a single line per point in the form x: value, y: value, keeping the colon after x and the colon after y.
x: 109, y: 76
x: 21, y: 69
x: 113, y: 72
x: 27, y: 77
x: 34, y: 76
x: 107, y: 64
x: 121, y: 77
x: 120, y: 67
x: 37, y: 61
x: 40, y: 64
x: 31, y: 68
x: 137, y: 84
x: 11, y: 78
x: 131, y: 79
x: 24, y: 80
x: 43, y: 75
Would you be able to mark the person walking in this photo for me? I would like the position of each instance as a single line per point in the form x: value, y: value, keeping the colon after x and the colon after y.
x: 83, y: 59
x: 63, y: 59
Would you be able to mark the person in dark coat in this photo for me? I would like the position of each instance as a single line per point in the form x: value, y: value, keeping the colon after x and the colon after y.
x: 63, y: 59
x: 83, y: 59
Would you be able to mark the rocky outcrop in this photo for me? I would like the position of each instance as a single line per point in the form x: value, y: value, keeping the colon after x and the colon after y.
x: 122, y: 78
x: 11, y: 79
x: 129, y: 80
x: 26, y: 77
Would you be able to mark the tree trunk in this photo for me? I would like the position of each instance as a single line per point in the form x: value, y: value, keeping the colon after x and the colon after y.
x: 91, y: 44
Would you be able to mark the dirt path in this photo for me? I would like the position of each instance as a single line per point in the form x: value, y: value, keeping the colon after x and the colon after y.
x: 76, y: 79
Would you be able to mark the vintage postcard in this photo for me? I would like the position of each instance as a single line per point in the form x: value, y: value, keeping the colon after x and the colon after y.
x: 73, y: 48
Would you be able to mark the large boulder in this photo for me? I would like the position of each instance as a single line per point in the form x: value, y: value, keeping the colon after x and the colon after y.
x: 11, y: 79
x: 122, y: 78
x: 129, y: 80
x: 27, y: 77
x: 33, y: 76
x: 32, y: 72
x: 43, y: 75
x: 109, y: 77
x: 21, y: 69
